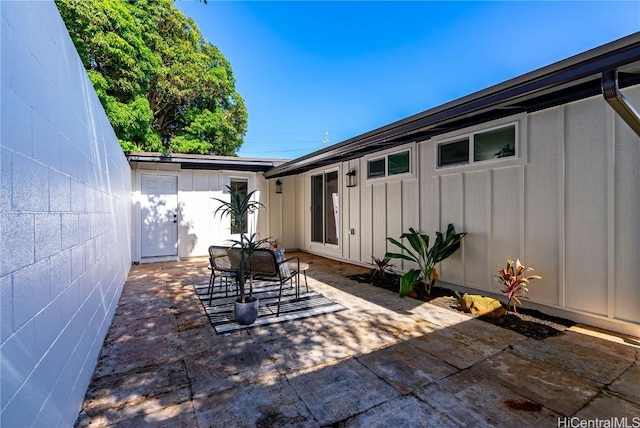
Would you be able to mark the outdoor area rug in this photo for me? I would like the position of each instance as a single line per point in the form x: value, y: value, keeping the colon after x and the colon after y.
x: 220, y: 311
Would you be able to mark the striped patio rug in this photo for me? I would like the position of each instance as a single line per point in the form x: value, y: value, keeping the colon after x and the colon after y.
x: 220, y: 311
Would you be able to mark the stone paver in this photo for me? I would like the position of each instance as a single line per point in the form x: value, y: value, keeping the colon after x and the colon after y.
x: 473, y: 400
x: 258, y: 404
x: 459, y: 350
x: 383, y: 362
x: 439, y: 316
x: 406, y: 367
x: 336, y: 392
x: 132, y: 388
x: 586, y: 362
x: 628, y: 385
x: 608, y: 408
x: 301, y: 351
x: 554, y: 388
x: 401, y: 412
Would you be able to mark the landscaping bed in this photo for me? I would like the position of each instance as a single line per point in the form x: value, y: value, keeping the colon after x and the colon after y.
x: 528, y: 322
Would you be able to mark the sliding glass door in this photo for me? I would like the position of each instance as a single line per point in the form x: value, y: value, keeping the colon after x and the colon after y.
x: 325, y: 209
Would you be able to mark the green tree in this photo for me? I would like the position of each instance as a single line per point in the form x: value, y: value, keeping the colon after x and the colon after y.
x: 163, y: 86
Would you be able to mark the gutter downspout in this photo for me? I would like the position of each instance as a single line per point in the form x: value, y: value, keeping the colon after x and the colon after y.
x: 618, y: 102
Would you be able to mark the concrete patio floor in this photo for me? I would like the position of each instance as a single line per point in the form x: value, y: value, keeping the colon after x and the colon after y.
x: 385, y: 362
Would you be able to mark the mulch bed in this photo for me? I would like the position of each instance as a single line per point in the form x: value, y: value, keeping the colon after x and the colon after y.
x: 528, y: 322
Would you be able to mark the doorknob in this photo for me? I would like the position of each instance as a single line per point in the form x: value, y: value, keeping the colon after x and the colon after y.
x: 175, y: 218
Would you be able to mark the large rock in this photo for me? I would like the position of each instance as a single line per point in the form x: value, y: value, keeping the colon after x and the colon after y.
x: 480, y: 305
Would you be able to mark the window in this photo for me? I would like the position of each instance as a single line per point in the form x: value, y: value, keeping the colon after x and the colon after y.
x: 376, y: 168
x: 453, y: 153
x: 485, y: 145
x: 241, y: 186
x: 324, y: 208
x: 393, y: 164
x: 493, y: 144
x: 399, y: 163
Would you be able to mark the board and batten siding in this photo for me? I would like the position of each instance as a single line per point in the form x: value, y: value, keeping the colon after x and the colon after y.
x: 198, y: 227
x: 568, y: 205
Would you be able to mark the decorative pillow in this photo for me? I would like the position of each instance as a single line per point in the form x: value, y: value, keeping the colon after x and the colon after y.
x: 284, y: 267
x: 279, y: 255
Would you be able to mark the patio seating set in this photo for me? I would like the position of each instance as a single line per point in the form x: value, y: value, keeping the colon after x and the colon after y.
x: 265, y: 264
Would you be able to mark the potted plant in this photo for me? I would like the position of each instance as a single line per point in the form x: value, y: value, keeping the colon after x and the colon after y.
x: 425, y: 257
x: 238, y: 207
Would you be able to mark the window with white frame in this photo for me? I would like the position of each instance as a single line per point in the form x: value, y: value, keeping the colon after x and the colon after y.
x: 479, y: 146
x: 391, y: 164
x: 241, y: 186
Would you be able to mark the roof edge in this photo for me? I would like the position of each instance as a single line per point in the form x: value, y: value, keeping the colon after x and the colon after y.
x: 190, y: 161
x: 611, y: 55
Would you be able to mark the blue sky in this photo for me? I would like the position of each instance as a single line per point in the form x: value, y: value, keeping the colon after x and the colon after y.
x: 308, y: 68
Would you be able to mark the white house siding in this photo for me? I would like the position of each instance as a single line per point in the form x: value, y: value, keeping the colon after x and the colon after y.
x: 64, y: 204
x: 198, y: 227
x: 568, y: 206
x: 282, y: 211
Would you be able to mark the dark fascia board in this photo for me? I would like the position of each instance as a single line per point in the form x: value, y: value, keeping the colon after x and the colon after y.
x: 204, y: 162
x: 504, y: 99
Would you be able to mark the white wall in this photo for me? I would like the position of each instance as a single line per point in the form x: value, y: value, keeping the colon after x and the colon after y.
x: 568, y: 206
x: 282, y: 212
x: 198, y: 228
x: 64, y: 204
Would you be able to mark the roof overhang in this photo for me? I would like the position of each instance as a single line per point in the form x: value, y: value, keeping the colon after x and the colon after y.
x: 206, y: 162
x: 569, y: 80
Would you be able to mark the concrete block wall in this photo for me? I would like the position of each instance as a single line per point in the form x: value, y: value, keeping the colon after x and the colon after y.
x: 65, y: 220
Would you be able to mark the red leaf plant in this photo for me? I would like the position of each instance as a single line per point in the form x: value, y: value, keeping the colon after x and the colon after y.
x: 514, y: 283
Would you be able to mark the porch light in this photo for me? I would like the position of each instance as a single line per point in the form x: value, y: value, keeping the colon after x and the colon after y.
x: 278, y: 186
x: 351, y: 178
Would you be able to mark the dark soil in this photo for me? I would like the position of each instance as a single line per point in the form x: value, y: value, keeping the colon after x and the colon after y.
x: 528, y: 322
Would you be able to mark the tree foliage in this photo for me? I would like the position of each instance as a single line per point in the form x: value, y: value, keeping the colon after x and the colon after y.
x: 163, y: 86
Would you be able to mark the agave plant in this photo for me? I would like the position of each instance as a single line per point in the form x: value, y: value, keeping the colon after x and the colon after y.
x: 425, y: 257
x: 514, y: 283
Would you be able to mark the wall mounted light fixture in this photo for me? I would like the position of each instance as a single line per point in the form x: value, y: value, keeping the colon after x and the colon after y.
x: 352, y: 179
x: 278, y: 186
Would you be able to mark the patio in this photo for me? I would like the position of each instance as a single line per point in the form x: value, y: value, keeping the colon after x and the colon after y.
x: 384, y: 362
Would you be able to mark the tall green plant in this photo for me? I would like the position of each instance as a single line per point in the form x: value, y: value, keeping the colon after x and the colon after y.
x: 239, y: 205
x: 425, y: 257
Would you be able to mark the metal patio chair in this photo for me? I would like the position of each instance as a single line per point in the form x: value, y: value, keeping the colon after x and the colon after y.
x: 265, y: 266
x: 221, y: 268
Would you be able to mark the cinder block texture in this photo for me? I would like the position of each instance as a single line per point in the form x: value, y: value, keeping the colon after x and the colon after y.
x: 61, y: 208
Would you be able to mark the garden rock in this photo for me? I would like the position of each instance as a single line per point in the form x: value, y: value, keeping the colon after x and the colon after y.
x: 480, y: 305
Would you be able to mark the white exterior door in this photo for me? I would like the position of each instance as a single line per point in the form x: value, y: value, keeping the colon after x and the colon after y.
x: 159, y: 215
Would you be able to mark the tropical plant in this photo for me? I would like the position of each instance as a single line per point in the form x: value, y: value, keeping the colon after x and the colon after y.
x: 381, y: 269
x: 239, y: 205
x: 514, y: 283
x: 425, y: 257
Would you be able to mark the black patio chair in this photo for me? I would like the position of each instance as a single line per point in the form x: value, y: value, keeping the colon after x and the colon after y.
x: 221, y: 268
